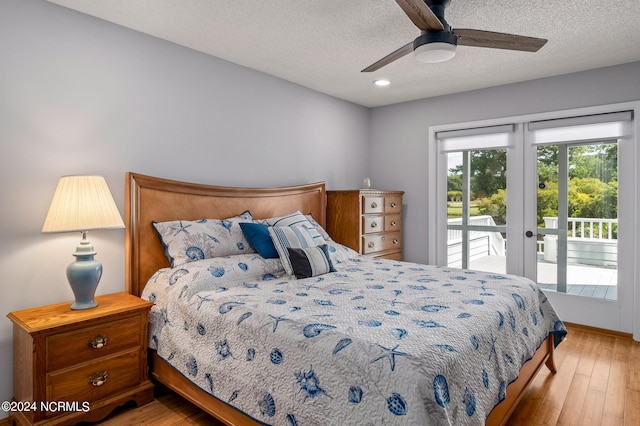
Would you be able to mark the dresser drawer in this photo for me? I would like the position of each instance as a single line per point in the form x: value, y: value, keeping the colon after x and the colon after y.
x: 392, y: 204
x: 393, y: 222
x: 75, y: 347
x: 122, y: 372
x: 372, y: 224
x: 372, y: 205
x: 386, y: 223
x: 381, y: 242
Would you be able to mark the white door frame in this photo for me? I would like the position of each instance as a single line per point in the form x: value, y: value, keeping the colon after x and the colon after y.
x: 622, y: 315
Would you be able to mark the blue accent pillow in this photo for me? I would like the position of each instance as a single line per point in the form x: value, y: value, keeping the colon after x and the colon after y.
x: 258, y: 236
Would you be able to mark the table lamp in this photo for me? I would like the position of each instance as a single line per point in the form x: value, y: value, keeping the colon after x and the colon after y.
x: 83, y: 203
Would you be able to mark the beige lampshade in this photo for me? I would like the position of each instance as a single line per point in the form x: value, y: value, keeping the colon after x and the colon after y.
x: 82, y: 203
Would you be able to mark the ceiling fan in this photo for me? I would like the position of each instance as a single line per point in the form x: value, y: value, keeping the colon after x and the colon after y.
x: 438, y: 40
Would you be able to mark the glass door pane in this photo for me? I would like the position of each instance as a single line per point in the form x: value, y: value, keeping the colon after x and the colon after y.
x: 577, y: 210
x: 476, y: 209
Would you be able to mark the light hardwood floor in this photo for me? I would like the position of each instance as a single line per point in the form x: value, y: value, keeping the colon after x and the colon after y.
x: 597, y: 383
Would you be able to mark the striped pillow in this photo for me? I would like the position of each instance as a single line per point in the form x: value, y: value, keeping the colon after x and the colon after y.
x: 311, y: 261
x: 284, y: 237
x: 297, y: 219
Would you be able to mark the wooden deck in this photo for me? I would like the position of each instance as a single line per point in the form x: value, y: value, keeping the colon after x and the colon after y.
x: 583, y: 280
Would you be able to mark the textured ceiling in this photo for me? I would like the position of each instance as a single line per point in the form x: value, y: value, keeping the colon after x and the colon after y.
x: 324, y: 44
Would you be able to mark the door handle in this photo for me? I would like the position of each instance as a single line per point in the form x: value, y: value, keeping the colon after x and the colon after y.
x: 530, y: 234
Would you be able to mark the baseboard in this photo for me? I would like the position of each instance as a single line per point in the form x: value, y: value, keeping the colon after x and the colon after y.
x: 604, y: 331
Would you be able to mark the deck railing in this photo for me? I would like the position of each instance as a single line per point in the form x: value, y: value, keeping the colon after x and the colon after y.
x: 591, y: 241
x: 587, y: 227
x: 481, y: 243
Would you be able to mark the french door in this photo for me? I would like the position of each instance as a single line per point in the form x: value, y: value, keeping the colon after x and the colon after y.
x: 577, y: 218
x: 544, y: 199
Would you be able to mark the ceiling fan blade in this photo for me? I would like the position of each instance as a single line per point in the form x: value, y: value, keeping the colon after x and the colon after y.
x: 404, y: 50
x: 421, y: 15
x: 479, y: 38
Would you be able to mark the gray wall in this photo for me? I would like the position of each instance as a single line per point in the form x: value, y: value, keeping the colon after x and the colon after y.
x: 399, y: 133
x: 80, y: 96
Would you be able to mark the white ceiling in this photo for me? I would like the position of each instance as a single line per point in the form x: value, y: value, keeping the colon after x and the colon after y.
x: 323, y: 44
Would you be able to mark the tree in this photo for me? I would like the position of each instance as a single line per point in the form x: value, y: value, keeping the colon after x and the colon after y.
x: 488, y: 173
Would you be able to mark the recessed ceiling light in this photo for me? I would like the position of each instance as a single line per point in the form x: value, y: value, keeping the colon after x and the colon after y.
x: 382, y: 82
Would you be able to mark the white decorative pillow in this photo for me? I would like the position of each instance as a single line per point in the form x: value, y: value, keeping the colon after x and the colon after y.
x: 187, y: 241
x: 284, y: 237
x: 297, y: 219
x: 318, y: 228
x: 310, y: 261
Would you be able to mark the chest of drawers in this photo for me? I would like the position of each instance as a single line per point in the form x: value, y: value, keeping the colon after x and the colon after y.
x: 368, y: 221
x: 78, y: 365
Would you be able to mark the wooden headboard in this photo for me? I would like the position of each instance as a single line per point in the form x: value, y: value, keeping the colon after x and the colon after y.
x: 150, y: 199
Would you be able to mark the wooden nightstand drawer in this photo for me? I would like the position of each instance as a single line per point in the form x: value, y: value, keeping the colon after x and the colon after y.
x: 376, y: 243
x: 73, y: 347
x: 86, y: 383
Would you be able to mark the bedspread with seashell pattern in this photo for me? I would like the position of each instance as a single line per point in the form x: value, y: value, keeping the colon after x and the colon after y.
x: 377, y: 342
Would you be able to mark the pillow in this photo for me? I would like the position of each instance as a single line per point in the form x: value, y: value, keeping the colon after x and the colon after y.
x: 289, y: 236
x: 297, y: 219
x: 310, y: 261
x: 187, y: 241
x: 258, y: 236
x: 318, y: 228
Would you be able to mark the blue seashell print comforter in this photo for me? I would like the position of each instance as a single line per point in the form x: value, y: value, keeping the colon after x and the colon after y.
x: 378, y: 342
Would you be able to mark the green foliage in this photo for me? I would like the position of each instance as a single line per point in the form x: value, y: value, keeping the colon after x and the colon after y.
x: 454, y: 182
x: 488, y: 173
x: 547, y: 202
x: 454, y: 195
x: 496, y: 206
x: 590, y: 197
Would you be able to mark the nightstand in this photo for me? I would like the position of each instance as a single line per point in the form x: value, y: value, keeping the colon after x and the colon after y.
x: 71, y: 366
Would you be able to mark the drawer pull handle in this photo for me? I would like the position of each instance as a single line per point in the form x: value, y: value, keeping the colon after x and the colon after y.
x: 99, y: 341
x: 371, y: 244
x: 383, y: 238
x: 393, y: 204
x: 395, y: 241
x: 393, y: 223
x: 374, y: 205
x: 374, y: 224
x: 99, y: 378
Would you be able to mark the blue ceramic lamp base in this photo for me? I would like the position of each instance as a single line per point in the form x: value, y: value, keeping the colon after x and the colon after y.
x: 84, y: 275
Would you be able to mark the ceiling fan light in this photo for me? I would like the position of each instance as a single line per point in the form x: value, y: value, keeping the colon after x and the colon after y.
x: 435, y: 52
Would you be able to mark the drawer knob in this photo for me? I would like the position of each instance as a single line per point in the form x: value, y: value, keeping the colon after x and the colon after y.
x: 99, y: 378
x: 393, y: 223
x: 374, y: 205
x: 395, y: 241
x: 393, y: 204
x: 99, y: 341
x: 371, y: 244
x: 374, y: 224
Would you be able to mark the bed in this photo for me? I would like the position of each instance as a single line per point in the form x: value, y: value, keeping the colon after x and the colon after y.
x: 248, y: 343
